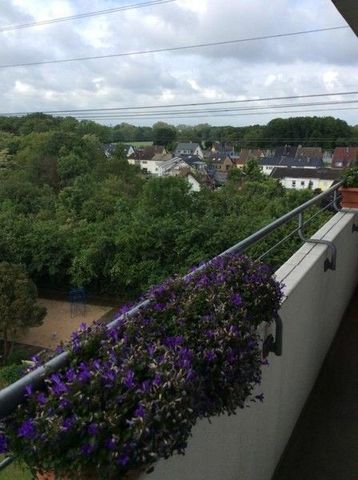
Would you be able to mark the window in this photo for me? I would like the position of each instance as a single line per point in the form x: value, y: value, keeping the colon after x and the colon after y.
x: 302, y: 184
x: 293, y: 183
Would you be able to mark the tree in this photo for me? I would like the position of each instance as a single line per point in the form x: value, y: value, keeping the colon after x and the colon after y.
x: 164, y: 135
x: 18, y: 308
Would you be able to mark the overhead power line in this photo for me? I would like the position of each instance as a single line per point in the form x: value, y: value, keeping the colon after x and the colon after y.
x: 170, y: 49
x: 210, y: 115
x: 174, y: 105
x: 215, y: 110
x: 7, y: 28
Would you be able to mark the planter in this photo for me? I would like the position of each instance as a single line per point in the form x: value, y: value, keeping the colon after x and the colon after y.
x: 349, y: 197
x: 134, y: 475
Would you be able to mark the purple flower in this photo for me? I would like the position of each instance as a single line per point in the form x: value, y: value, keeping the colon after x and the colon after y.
x: 110, y: 443
x: 3, y: 444
x: 128, y: 380
x: 57, y: 384
x: 41, y: 398
x: 151, y: 349
x: 27, y: 429
x: 123, y: 459
x: 145, y: 386
x: 159, y: 307
x: 68, y: 423
x: 236, y: 300
x: 84, y: 372
x: 210, y: 356
x: 64, y: 403
x: 140, y: 411
x: 28, y: 390
x: 87, y: 449
x: 173, y: 342
x: 92, y: 429
x: 70, y: 375
x: 157, y: 380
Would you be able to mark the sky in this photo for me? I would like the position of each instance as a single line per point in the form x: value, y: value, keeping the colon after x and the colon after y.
x: 325, y: 62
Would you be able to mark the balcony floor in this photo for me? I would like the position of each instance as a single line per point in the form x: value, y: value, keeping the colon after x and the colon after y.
x: 324, y: 443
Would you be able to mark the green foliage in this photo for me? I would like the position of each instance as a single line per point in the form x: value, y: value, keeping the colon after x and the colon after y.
x: 75, y: 217
x: 10, y: 374
x: 18, y: 307
x: 350, y: 178
x: 164, y: 134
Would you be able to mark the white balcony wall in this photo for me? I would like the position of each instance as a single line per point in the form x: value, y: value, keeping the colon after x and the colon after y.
x: 248, y: 446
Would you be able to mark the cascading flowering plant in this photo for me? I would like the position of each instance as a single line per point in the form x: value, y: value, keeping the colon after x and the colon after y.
x: 132, y: 393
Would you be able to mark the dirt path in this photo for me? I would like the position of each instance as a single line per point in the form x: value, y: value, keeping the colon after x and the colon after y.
x: 58, y: 323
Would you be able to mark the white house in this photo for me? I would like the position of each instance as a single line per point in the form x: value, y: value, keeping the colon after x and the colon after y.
x: 268, y: 164
x: 189, y: 149
x: 301, y: 178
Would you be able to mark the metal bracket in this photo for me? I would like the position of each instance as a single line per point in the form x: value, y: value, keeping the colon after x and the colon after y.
x: 328, y: 264
x: 272, y: 344
x: 335, y: 206
x: 335, y: 200
x: 355, y: 226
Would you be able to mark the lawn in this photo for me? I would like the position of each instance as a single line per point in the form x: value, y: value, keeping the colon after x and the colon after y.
x: 15, y: 472
x: 140, y: 144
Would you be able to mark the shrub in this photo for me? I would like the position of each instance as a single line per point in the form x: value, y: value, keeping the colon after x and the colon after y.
x: 131, y: 394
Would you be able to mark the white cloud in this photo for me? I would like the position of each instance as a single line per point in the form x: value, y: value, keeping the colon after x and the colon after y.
x: 323, y: 62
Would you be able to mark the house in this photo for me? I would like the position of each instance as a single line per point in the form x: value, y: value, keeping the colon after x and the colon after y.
x: 188, y: 149
x: 195, y: 162
x: 285, y: 151
x: 269, y: 163
x: 344, y: 157
x: 172, y: 167
x: 308, y: 152
x: 128, y: 150
x: 149, y: 158
x: 248, y: 154
x: 301, y: 178
x: 221, y: 162
x: 224, y: 148
x: 109, y: 149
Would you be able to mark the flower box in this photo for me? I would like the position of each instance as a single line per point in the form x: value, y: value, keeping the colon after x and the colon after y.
x: 349, y: 197
x: 131, y: 394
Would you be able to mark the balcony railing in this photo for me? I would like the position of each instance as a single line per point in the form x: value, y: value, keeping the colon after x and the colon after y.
x: 13, y: 395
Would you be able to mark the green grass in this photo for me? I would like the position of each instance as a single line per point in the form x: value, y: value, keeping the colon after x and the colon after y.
x: 15, y: 472
x: 140, y: 144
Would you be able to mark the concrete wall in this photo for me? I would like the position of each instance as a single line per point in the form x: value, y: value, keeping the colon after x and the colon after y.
x: 248, y: 446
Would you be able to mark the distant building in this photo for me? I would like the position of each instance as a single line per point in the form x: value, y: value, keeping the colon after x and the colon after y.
x: 344, y: 157
x: 301, y: 178
x: 308, y: 152
x: 223, y: 148
x: 250, y: 154
x: 269, y: 163
x: 285, y: 151
x: 188, y: 149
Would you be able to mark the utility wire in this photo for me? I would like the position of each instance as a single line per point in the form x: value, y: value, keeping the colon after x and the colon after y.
x: 216, y: 110
x: 113, y: 117
x: 173, y: 105
x: 170, y: 49
x: 7, y: 28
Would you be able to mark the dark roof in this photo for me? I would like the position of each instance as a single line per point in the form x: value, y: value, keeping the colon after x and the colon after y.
x: 286, y: 151
x: 319, y: 173
x: 193, y: 160
x: 307, y: 162
x: 309, y: 152
x: 187, y: 146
